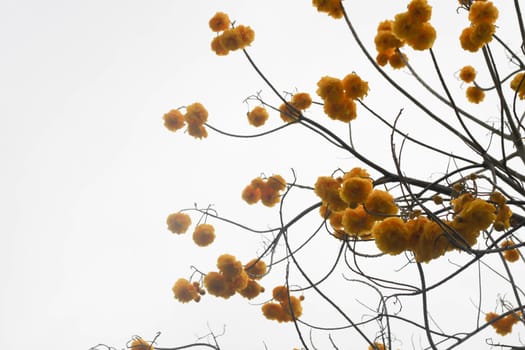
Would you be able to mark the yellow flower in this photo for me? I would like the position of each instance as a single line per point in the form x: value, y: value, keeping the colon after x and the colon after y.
x: 483, y: 12
x: 196, y: 114
x: 218, y: 47
x: 354, y: 86
x: 391, y: 236
x: 255, y: 268
x: 216, y: 284
x: 380, y: 204
x: 386, y: 40
x: 357, y: 222
x: 475, y: 94
x: 140, y: 344
x: 360, y: 172
x: 332, y: 7
x: 247, y: 35
x: 343, y: 110
x: 378, y: 346
x: 467, y: 74
x: 518, y: 84
x: 184, y: 291
x: 273, y: 311
x: 503, y: 215
x: 482, y: 33
x: 178, y: 222
x: 276, y: 182
x: 477, y: 215
x: 330, y: 88
x: 231, y: 39
x: 427, y: 240
x: 404, y: 26
x: 424, y: 38
x: 204, y: 235
x: 280, y: 293
x: 251, y: 194
x: 503, y: 326
x: 197, y: 130
x: 327, y: 188
x: 466, y: 42
x: 419, y: 11
x: 397, y: 61
x: 382, y: 58
x: 511, y: 255
x: 219, y: 22
x: 252, y: 290
x: 258, y: 116
x: 229, y: 266
x: 173, y: 120
x: 301, y: 100
x: 355, y: 190
x: 287, y: 113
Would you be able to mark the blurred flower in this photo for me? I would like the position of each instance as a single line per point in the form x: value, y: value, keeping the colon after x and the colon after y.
x: 173, y: 120
x: 184, y: 291
x: 258, y: 116
x: 204, y: 235
x: 219, y: 22
x: 391, y: 235
x: 475, y: 94
x: 178, y: 222
x: 467, y: 74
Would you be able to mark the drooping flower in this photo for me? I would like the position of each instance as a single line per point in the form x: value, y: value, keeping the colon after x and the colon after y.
x: 252, y: 290
x: 173, y: 120
x: 483, y: 12
x: 357, y: 222
x: 354, y: 86
x: 216, y: 284
x: 511, y: 255
x: 140, y: 344
x: 518, y: 84
x: 196, y: 114
x: 178, y: 222
x: 197, y: 130
x: 204, y: 235
x: 355, y: 190
x: 475, y: 94
x: 343, y: 110
x: 327, y: 188
x: 397, y: 60
x: 255, y: 268
x: 218, y: 47
x: 424, y: 37
x: 419, y: 11
x: 332, y: 8
x: 330, y: 88
x: 219, y: 22
x: 380, y: 204
x: 467, y: 74
x: 466, y: 41
x: 184, y: 291
x: 391, y: 235
x: 258, y: 116
x: 301, y: 100
x: 503, y: 326
x: 251, y: 194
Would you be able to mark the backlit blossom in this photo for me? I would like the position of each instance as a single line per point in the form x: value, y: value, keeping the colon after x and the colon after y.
x: 301, y: 100
x: 475, y: 94
x: 466, y: 41
x: 197, y: 130
x: 184, y: 291
x: 327, y: 188
x: 258, y: 116
x: 204, y: 235
x: 467, y: 74
x: 251, y: 194
x: 503, y: 326
x: 229, y: 266
x: 219, y: 22
x: 255, y: 268
x: 140, y: 344
x: 218, y: 47
x: 332, y: 7
x: 419, y: 10
x: 252, y: 290
x: 483, y: 12
x: 276, y: 182
x: 178, y: 222
x: 391, y: 236
x: 355, y: 190
x: 518, y: 84
x: 511, y: 255
x: 354, y: 86
x: 397, y: 60
x: 357, y: 222
x: 196, y: 114
x: 343, y: 110
x: 216, y: 284
x: 380, y: 204
x: 424, y: 38
x: 330, y: 88
x: 173, y: 120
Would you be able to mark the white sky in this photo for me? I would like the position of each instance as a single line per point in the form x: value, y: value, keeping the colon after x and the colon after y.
x: 89, y: 173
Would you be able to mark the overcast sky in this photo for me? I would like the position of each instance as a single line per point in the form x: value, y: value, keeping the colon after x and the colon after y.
x: 89, y: 173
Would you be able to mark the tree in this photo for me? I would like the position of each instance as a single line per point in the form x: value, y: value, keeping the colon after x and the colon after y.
x: 444, y: 211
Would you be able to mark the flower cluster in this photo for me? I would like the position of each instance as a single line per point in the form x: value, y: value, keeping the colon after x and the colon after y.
x: 482, y: 16
x: 231, y: 278
x: 332, y: 7
x: 351, y: 203
x: 518, y: 84
x: 290, y: 111
x: 387, y: 45
x: 195, y: 118
x: 339, y: 95
x: 412, y: 26
x: 503, y: 326
x: 267, y: 191
x: 229, y: 39
x: 185, y: 291
x: 286, y: 308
